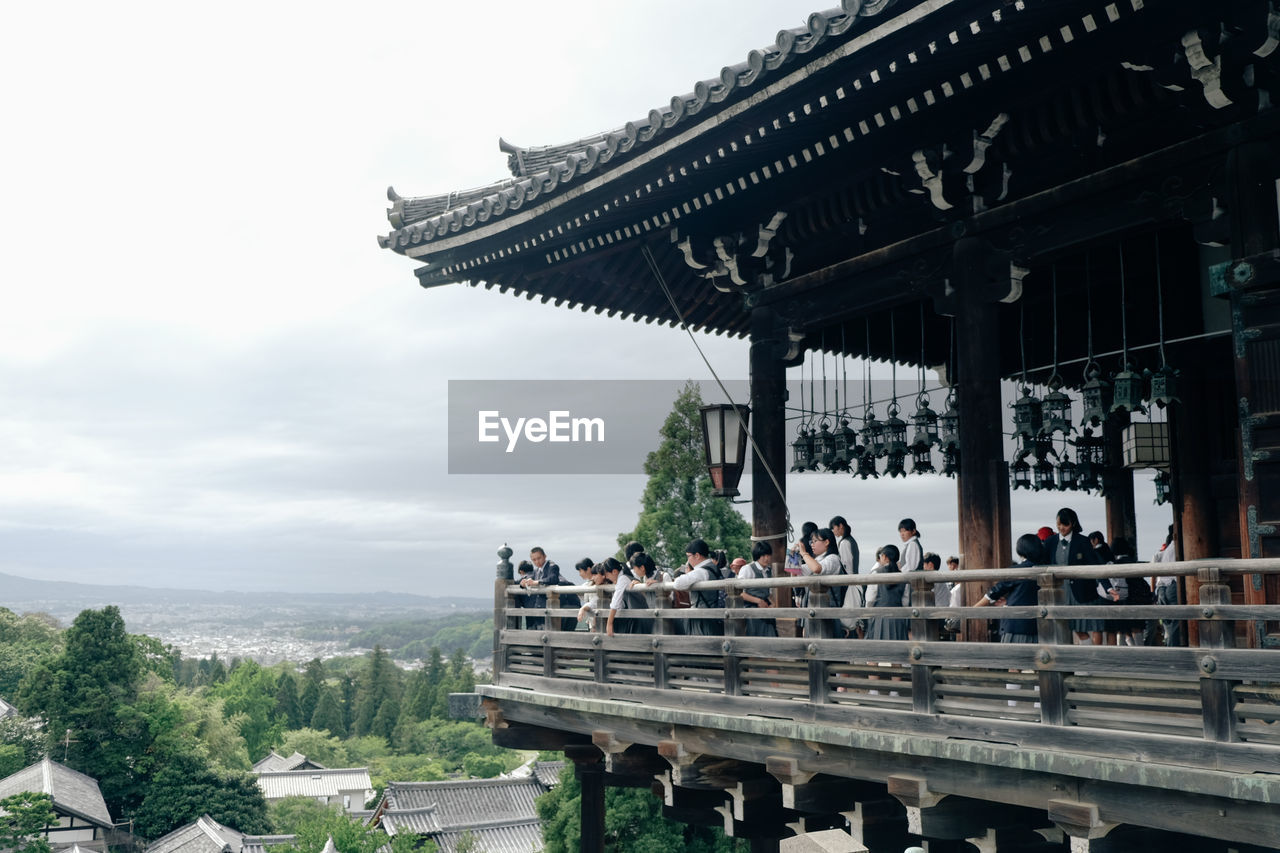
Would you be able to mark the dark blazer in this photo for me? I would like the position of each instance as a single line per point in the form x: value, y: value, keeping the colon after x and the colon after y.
x: 1080, y: 553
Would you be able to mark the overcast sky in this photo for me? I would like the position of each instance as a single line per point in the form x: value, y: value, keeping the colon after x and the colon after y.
x: 210, y: 375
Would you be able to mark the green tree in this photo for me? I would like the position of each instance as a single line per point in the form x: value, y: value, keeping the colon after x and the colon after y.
x: 319, y: 746
x: 290, y: 814
x: 312, y: 684
x: 27, y: 735
x: 633, y: 823
x: 349, y: 836
x: 86, y: 695
x: 23, y: 818
x: 287, y: 706
x: 250, y: 690
x: 379, y: 683
x: 188, y: 788
x: 328, y: 715
x: 677, y: 504
x: 25, y: 641
x: 11, y: 759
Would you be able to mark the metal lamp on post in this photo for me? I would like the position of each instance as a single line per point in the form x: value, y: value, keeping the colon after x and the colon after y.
x: 724, y: 438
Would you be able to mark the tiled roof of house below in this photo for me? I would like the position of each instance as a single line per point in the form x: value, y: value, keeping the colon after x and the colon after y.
x: 548, y: 772
x: 72, y: 792
x: 314, y: 783
x: 263, y: 843
x: 410, y: 822
x: 466, y: 802
x: 274, y: 761
x: 521, y: 837
x: 206, y: 835
x: 542, y: 170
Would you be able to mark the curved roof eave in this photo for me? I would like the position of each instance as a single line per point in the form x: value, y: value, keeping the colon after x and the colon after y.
x: 424, y: 219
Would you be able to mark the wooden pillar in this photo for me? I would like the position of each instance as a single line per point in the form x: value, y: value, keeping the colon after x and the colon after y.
x: 1253, y: 279
x: 1191, y: 478
x: 588, y: 765
x: 982, y: 483
x: 769, y: 430
x: 1122, y: 514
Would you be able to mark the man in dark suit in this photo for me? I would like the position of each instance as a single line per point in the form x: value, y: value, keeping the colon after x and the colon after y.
x: 1070, y: 547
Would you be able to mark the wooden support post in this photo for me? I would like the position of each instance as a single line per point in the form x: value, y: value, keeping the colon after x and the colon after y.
x: 982, y: 483
x: 588, y: 766
x: 550, y: 623
x: 768, y: 375
x: 1122, y: 514
x: 732, y: 628
x: 661, y: 628
x: 1052, y: 632
x: 1080, y: 821
x: 921, y: 631
x: 506, y: 573
x: 1217, y: 696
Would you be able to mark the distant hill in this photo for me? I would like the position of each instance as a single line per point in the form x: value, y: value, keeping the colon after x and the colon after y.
x: 28, y: 593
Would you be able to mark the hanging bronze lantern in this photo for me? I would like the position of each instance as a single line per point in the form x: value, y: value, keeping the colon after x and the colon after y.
x: 896, y: 463
x: 1068, y: 476
x: 1057, y: 408
x: 895, y: 432
x: 1164, y: 386
x: 949, y: 425
x: 846, y: 445
x: 1020, y: 474
x: 824, y: 446
x: 1028, y: 417
x: 802, y: 451
x: 925, y: 424
x: 1090, y: 450
x: 1162, y: 487
x: 922, y: 460
x: 867, y: 466
x: 950, y: 461
x: 1042, y: 476
x: 1096, y: 394
x: 872, y: 435
x: 1127, y: 391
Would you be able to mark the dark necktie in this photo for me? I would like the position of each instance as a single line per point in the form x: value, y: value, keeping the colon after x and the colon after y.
x: 1062, y: 552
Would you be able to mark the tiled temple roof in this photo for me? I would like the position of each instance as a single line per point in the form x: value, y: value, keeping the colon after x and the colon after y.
x: 71, y: 791
x: 206, y: 835
x: 544, y: 170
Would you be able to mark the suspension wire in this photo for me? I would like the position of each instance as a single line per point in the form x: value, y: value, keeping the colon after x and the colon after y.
x: 922, y: 349
x: 844, y: 368
x: 1124, y: 323
x: 866, y: 374
x: 1054, y: 269
x: 1022, y: 336
x: 764, y: 462
x: 1160, y: 301
x: 893, y: 357
x: 822, y: 350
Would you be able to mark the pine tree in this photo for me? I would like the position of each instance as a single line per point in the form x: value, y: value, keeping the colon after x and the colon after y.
x: 312, y: 683
x: 287, y: 706
x: 677, y: 504
x: 328, y: 715
x: 379, y: 683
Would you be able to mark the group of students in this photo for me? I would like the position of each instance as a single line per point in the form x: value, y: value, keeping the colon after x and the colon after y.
x: 1070, y: 547
x: 831, y: 551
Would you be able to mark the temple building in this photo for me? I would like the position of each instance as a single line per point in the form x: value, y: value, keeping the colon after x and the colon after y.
x: 1079, y: 196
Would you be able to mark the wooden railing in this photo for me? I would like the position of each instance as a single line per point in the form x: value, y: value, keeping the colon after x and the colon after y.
x: 1164, y: 699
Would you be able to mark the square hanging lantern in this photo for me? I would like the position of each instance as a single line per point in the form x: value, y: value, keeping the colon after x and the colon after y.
x: 949, y: 425
x: 895, y: 432
x: 846, y: 445
x: 950, y: 461
x: 1164, y: 386
x: 1088, y: 476
x: 824, y: 446
x: 1127, y: 391
x: 1096, y: 394
x: 1162, y: 488
x: 867, y: 466
x: 1057, y: 409
x: 922, y: 460
x: 1090, y: 448
x: 724, y: 440
x: 802, y: 451
x: 1042, y: 476
x: 1068, y: 475
x: 873, y: 435
x: 896, y: 464
x: 1028, y: 417
x: 925, y: 424
x: 1020, y: 474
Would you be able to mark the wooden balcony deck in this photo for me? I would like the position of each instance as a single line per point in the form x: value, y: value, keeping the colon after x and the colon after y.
x: 958, y: 738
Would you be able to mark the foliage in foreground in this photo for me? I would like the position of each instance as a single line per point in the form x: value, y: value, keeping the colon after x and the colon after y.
x: 633, y: 823
x: 349, y: 836
x: 23, y: 817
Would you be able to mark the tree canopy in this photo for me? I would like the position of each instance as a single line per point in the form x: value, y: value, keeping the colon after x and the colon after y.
x: 677, y: 504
